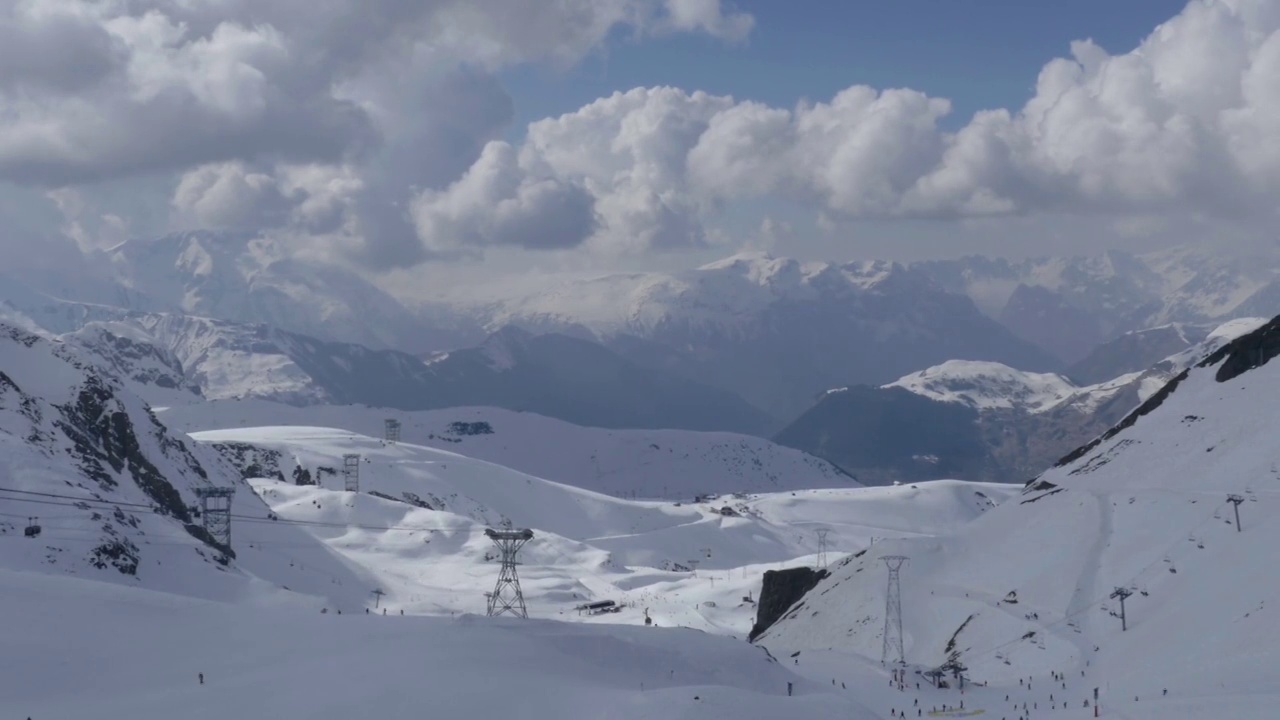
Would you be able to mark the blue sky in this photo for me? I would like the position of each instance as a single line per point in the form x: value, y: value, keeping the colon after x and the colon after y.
x: 977, y: 53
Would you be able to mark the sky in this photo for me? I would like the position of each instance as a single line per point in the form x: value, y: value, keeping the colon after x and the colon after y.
x: 454, y: 138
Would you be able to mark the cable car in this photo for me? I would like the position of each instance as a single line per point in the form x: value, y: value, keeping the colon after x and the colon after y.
x: 33, y: 529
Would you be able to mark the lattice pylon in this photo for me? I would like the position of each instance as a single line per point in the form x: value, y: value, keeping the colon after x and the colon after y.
x: 507, y: 597
x: 351, y: 472
x: 893, y: 651
x: 215, y: 512
x: 822, y: 548
x: 392, y: 427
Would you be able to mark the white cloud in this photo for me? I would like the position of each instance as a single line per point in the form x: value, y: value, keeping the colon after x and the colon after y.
x: 1188, y: 122
x: 710, y: 17
x: 496, y: 203
x: 389, y: 96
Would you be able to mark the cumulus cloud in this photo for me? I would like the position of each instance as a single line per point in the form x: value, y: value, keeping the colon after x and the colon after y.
x: 1187, y: 122
x: 495, y: 203
x: 232, y: 97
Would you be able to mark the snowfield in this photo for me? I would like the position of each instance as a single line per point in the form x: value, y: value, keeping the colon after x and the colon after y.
x: 416, y: 528
x: 673, y: 464
x: 130, y: 653
x: 1027, y: 590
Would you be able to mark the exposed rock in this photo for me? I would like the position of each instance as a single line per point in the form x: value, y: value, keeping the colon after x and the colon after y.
x: 781, y: 590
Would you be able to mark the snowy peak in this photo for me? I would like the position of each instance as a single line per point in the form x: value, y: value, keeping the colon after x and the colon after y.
x: 985, y: 385
x: 137, y: 358
x: 248, y: 278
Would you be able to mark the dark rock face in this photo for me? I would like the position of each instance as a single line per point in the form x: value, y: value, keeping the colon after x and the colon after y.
x: 781, y: 590
x: 1246, y: 352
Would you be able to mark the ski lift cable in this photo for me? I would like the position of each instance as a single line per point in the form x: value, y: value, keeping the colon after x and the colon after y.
x: 74, y: 501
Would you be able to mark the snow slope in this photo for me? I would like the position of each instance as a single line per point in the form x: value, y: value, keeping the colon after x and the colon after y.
x: 128, y: 653
x: 1026, y: 590
x: 987, y: 385
x: 416, y: 528
x: 631, y: 463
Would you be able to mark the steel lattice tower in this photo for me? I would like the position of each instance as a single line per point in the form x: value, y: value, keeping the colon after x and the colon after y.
x: 215, y: 512
x: 351, y: 472
x: 393, y: 429
x: 507, y: 595
x: 893, y: 613
x: 822, y: 548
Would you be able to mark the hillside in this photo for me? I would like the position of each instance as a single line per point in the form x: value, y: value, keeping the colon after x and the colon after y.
x: 421, y: 507
x: 1028, y: 588
x: 626, y: 463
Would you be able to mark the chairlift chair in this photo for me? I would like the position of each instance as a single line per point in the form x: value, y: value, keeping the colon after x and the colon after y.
x: 32, y: 529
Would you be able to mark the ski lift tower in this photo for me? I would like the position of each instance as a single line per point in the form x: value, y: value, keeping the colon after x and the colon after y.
x: 215, y: 512
x: 351, y: 472
x: 392, y: 426
x: 507, y: 597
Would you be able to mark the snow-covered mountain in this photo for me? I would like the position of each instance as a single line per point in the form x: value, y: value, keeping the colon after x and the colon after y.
x: 241, y: 278
x: 68, y: 427
x: 776, y: 331
x: 986, y: 385
x: 675, y: 464
x: 1032, y: 588
x: 976, y: 420
x: 568, y: 378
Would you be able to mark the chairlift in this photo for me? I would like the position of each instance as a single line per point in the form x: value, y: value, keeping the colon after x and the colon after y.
x: 32, y: 529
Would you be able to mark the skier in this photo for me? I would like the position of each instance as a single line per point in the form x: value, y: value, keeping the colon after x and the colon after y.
x: 201, y: 678
x: 788, y: 689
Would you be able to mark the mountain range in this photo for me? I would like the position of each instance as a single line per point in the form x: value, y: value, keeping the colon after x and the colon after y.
x: 752, y: 343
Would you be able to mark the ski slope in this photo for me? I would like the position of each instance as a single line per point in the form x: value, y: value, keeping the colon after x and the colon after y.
x: 86, y: 649
x: 1026, y: 590
x: 672, y: 464
x: 416, y: 529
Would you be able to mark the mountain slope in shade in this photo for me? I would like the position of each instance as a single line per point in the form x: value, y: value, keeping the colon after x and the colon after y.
x: 575, y: 380
x: 631, y: 463
x: 1029, y: 588
x: 776, y: 331
x: 1136, y: 351
x: 584, y: 383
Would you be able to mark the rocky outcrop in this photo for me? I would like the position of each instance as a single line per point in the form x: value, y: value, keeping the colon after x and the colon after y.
x: 781, y: 590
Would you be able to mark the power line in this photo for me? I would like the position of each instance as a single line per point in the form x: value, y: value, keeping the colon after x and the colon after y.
x: 76, y: 501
